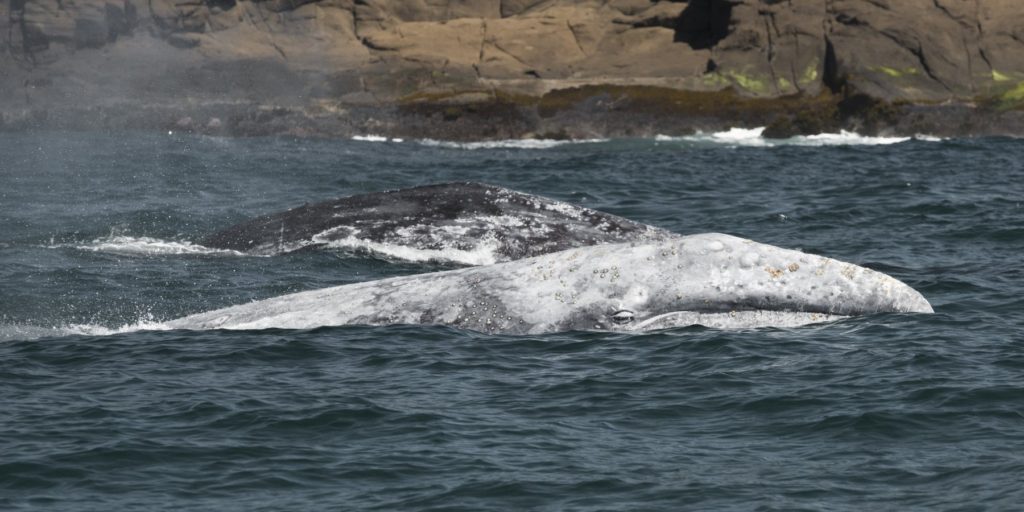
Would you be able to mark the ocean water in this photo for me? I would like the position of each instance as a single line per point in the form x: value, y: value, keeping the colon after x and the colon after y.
x: 98, y: 238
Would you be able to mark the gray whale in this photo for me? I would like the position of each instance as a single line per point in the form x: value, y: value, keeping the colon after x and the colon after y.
x: 709, y: 279
x: 464, y: 222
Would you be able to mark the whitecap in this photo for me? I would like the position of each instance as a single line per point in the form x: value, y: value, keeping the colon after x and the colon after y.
x: 843, y: 138
x: 754, y: 137
x: 743, y: 136
x: 731, y: 137
x: 507, y: 144
x: 371, y: 138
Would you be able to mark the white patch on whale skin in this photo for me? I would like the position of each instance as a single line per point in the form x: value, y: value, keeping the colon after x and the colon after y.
x: 662, y: 284
x: 435, y: 241
x: 571, y: 211
x: 466, y: 241
x: 736, y: 320
x: 508, y: 221
x: 483, y: 254
x: 749, y: 259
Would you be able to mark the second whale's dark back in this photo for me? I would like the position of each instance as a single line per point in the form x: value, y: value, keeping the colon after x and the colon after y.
x: 433, y: 222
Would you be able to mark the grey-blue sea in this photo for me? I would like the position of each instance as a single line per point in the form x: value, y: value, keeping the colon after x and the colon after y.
x: 888, y: 412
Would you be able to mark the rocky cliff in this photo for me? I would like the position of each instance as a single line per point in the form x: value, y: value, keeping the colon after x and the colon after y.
x: 508, y: 68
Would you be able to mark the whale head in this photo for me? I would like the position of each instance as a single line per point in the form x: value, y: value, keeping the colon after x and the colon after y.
x: 713, y: 279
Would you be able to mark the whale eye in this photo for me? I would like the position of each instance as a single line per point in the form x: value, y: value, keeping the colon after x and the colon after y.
x: 623, y: 316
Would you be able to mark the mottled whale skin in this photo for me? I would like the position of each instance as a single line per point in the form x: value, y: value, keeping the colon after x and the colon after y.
x: 494, y: 223
x: 711, y: 279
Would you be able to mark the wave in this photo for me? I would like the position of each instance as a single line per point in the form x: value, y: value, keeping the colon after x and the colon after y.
x: 753, y: 137
x: 507, y: 143
x: 738, y: 136
x: 747, y: 137
x: 845, y: 138
x: 375, y: 138
x: 146, y: 246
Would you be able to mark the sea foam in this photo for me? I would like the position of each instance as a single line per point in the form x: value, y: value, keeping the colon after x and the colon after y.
x: 507, y: 143
x: 146, y: 246
x: 23, y: 332
x: 754, y: 137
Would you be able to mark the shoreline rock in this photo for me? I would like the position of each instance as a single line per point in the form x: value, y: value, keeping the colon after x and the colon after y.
x: 588, y: 114
x: 503, y: 69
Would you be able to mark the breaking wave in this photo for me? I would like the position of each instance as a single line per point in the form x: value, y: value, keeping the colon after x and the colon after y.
x: 753, y: 137
x: 508, y: 143
x: 747, y: 137
x: 375, y: 138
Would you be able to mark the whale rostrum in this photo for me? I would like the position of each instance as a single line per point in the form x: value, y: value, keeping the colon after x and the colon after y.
x: 709, y: 279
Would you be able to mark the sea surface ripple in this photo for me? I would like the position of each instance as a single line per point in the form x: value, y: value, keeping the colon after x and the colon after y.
x: 894, y: 412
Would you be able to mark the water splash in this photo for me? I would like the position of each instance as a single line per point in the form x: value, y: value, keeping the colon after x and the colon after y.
x: 375, y: 138
x: 145, y: 246
x: 754, y: 137
x: 28, y: 331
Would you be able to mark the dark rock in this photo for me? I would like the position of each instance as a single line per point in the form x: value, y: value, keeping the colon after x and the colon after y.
x: 781, y: 128
x: 812, y: 121
x: 868, y: 115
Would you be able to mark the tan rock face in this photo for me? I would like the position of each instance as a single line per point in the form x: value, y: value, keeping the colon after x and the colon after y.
x: 926, y: 49
x: 385, y: 50
x: 773, y: 49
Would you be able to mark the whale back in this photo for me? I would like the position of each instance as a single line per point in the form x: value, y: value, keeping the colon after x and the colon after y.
x: 470, y: 223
